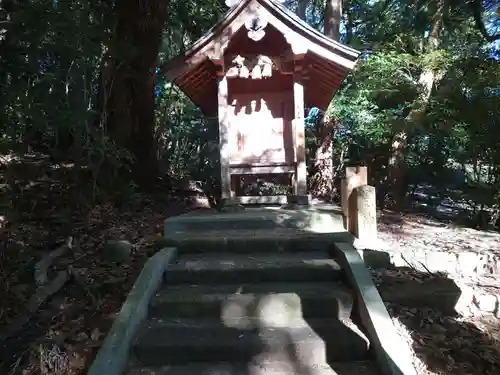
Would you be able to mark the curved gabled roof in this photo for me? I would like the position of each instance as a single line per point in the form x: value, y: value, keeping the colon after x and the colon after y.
x: 194, y: 72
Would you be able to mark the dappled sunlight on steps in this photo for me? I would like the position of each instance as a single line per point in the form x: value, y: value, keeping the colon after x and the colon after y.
x: 253, y: 313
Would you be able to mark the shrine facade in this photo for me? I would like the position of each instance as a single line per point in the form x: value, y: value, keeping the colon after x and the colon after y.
x: 255, y: 71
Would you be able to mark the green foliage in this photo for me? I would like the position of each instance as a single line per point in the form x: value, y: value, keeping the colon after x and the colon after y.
x: 52, y: 60
x: 457, y: 130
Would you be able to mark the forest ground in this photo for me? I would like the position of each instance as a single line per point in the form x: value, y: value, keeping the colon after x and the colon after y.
x: 468, y: 343
x: 64, y: 334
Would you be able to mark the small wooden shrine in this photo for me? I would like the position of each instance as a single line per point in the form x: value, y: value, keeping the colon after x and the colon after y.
x: 256, y: 71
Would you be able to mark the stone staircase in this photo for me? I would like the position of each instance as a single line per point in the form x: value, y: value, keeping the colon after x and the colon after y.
x: 252, y: 312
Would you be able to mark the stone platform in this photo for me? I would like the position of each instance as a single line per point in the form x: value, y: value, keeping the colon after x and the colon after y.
x: 299, y: 224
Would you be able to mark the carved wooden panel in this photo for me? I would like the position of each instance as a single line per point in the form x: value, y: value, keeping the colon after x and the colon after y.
x: 260, y: 130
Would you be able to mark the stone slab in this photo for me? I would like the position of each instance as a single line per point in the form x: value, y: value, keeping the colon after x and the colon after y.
x: 230, y: 267
x: 264, y: 367
x: 178, y: 341
x: 255, y: 224
x: 301, y: 299
x: 269, y: 241
x: 443, y: 296
x: 392, y: 354
x: 113, y: 355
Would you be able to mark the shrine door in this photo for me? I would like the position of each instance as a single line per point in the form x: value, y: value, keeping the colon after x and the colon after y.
x: 260, y: 129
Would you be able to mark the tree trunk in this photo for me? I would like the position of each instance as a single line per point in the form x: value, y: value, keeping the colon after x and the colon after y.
x: 427, y: 79
x: 349, y: 27
x: 322, y: 185
x: 322, y: 182
x: 10, y: 15
x: 301, y: 8
x: 129, y: 80
x: 332, y: 18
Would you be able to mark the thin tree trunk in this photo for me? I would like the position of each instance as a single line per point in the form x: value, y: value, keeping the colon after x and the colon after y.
x: 332, y: 18
x: 427, y: 79
x: 301, y: 8
x: 348, y: 27
x: 11, y: 13
x: 129, y: 76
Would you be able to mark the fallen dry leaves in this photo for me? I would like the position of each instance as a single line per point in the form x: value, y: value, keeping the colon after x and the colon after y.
x: 416, y: 232
x: 67, y: 330
x: 447, y: 345
x: 442, y: 343
x: 62, y: 337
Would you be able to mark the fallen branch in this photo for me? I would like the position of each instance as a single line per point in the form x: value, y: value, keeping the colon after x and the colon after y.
x: 41, y: 295
x: 42, y: 266
x: 44, y: 289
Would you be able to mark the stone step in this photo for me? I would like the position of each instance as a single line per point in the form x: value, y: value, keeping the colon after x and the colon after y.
x: 283, y: 367
x: 322, y: 300
x: 179, y: 341
x: 213, y: 268
x: 253, y: 241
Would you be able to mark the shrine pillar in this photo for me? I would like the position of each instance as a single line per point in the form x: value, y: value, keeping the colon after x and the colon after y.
x: 222, y: 97
x: 300, y: 180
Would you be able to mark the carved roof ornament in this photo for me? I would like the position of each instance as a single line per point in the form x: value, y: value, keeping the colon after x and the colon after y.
x: 256, y: 26
x: 232, y: 3
x: 255, y: 67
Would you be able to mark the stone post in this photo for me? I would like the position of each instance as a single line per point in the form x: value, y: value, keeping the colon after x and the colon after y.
x: 364, y: 214
x: 354, y: 177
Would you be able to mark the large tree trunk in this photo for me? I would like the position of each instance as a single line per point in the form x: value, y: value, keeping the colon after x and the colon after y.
x: 322, y: 183
x: 399, y: 147
x: 332, y: 18
x: 129, y: 81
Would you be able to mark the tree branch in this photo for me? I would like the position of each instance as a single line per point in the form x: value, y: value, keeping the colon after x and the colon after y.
x: 477, y: 12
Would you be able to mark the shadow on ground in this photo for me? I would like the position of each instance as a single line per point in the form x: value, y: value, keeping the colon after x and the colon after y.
x: 423, y: 306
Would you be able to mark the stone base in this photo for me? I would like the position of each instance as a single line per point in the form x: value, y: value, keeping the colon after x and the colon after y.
x: 248, y: 227
x: 302, y: 200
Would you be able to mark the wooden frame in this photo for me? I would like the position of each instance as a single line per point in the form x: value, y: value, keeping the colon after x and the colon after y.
x: 262, y: 169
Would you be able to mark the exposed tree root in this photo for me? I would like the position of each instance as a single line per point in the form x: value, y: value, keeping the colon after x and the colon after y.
x: 44, y: 290
x: 43, y: 265
x: 41, y: 295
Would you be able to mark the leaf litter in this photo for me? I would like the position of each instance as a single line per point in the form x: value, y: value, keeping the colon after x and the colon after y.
x: 66, y: 331
x: 467, y: 343
x: 61, y: 334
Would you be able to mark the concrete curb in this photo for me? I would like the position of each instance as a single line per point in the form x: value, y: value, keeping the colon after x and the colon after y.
x: 392, y: 354
x: 113, y: 355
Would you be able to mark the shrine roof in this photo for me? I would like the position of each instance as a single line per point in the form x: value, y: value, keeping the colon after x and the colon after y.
x: 328, y: 61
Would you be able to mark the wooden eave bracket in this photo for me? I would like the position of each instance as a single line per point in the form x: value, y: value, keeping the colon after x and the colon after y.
x: 219, y: 65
